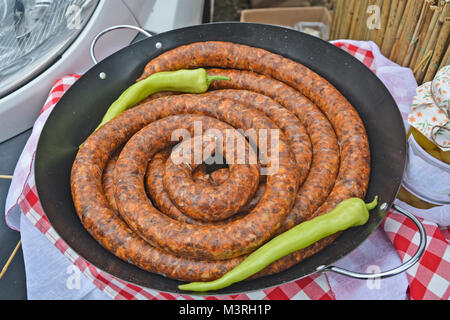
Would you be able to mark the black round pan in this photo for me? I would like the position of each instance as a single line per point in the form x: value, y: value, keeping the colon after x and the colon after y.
x: 80, y: 110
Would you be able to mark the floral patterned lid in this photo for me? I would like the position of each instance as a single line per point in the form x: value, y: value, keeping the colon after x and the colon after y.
x: 430, y: 113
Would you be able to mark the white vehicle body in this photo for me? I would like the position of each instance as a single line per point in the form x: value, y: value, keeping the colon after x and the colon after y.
x: 20, y: 108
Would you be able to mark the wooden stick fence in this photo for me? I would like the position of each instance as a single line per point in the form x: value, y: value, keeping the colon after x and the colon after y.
x: 412, y: 33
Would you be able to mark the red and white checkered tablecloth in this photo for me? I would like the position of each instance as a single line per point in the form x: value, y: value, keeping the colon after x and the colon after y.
x: 365, y: 56
x: 428, y: 279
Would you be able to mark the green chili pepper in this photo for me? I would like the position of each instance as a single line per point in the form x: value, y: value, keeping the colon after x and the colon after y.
x: 349, y: 213
x: 187, y: 81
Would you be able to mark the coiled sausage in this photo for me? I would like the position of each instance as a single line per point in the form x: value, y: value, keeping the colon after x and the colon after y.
x: 323, y: 119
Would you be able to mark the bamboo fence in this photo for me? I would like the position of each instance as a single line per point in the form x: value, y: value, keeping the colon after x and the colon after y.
x: 412, y: 33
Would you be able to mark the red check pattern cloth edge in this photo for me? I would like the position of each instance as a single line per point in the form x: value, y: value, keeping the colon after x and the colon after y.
x: 363, y: 55
x: 428, y: 279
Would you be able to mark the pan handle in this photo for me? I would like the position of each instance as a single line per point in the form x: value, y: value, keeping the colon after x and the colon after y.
x: 405, y: 266
x: 124, y: 26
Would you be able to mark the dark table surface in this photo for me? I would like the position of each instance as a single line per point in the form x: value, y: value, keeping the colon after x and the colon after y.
x: 12, y: 285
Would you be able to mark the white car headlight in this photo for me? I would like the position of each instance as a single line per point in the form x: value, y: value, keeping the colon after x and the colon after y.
x: 34, y: 33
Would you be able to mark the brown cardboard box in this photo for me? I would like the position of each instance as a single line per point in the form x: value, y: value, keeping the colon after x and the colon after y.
x: 287, y: 16
x: 278, y: 3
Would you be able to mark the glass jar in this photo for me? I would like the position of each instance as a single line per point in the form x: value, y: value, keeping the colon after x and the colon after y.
x: 412, y: 184
x: 429, y: 146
